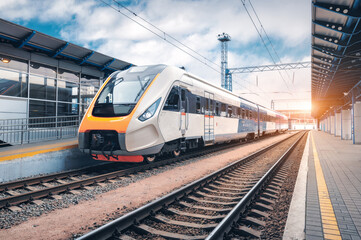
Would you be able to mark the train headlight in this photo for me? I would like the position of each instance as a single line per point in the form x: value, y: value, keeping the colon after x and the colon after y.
x: 150, y: 111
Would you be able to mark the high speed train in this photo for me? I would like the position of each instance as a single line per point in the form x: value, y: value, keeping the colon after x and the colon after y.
x: 146, y: 111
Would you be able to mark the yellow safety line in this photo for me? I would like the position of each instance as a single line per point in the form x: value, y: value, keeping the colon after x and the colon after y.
x: 32, y: 153
x: 329, y: 222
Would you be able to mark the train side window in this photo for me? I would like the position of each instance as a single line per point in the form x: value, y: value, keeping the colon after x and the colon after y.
x: 183, y: 92
x: 234, y: 112
x: 198, y: 105
x: 212, y: 106
x: 229, y: 112
x: 250, y: 114
x: 217, y: 109
x: 172, y: 103
x: 223, y: 110
x: 239, y: 115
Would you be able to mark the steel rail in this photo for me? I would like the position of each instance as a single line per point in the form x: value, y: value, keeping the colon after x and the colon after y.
x: 49, y: 177
x: 106, y: 231
x: 232, y: 217
x: 32, y: 195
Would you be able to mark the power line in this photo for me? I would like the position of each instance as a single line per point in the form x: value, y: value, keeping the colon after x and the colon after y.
x: 269, y: 40
x: 163, y: 34
x: 166, y: 34
x: 260, y: 35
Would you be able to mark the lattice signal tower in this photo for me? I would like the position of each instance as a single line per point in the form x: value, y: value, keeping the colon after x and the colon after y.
x: 226, y: 78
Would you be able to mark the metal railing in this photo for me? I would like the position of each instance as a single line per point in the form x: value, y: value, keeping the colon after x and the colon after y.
x: 38, y: 129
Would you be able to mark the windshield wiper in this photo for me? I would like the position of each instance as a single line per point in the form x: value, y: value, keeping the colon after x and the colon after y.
x: 142, y: 88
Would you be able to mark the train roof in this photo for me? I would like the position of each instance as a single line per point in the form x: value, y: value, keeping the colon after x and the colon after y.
x: 181, y: 70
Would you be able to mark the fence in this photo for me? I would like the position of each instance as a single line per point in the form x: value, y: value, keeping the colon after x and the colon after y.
x: 30, y: 130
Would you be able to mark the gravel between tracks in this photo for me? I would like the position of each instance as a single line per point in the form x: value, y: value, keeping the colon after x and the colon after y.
x: 73, y: 215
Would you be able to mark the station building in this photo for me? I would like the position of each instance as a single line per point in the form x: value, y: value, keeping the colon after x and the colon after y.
x: 336, y: 61
x: 46, y: 84
x: 327, y: 197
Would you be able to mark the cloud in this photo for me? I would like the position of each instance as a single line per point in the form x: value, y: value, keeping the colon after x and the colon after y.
x: 195, y: 23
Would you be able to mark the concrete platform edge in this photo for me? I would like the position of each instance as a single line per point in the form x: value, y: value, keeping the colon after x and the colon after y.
x: 295, y: 225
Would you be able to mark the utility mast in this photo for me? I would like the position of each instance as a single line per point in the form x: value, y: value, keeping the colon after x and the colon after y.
x: 226, y: 78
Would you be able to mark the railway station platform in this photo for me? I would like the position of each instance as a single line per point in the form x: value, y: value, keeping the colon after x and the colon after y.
x: 327, y: 198
x: 20, y: 161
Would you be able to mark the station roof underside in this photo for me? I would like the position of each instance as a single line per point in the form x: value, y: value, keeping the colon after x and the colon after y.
x: 33, y: 41
x: 336, y: 54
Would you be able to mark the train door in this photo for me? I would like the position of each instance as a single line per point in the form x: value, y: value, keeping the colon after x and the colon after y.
x: 184, y: 110
x: 209, y: 118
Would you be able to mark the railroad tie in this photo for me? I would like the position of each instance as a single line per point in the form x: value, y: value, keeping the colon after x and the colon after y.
x: 31, y: 188
x: 269, y: 195
x: 12, y: 193
x: 217, y: 191
x: 61, y: 181
x: 270, y: 190
x: 38, y: 202
x: 274, y: 187
x: 217, y: 196
x: 48, y: 185
x: 209, y: 201
x: 205, y: 208
x: 255, y: 221
x: 15, y: 209
x: 147, y: 229
x: 74, y: 179
x: 258, y: 213
x: 126, y: 237
x: 266, y: 201
x: 248, y: 231
x: 263, y: 207
x: 163, y: 219
x: 238, y: 190
x: 195, y: 215
x: 56, y: 197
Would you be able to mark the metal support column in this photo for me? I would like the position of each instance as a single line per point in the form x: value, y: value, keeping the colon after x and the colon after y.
x: 353, y: 118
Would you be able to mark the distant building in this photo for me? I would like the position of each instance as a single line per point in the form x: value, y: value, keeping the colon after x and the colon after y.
x: 299, y: 119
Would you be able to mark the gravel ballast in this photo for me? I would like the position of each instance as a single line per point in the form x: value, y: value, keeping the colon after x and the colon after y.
x: 74, y: 214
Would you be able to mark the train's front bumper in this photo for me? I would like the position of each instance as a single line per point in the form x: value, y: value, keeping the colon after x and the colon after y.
x: 85, y: 145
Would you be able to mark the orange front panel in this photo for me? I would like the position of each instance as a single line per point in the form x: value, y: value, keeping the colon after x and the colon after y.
x: 118, y: 124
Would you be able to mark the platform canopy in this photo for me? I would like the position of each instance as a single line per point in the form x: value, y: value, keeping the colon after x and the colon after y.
x: 33, y: 41
x: 336, y: 54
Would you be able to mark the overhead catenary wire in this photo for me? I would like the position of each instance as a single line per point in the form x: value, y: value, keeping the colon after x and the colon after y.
x: 165, y: 36
x: 268, y: 38
x: 263, y: 41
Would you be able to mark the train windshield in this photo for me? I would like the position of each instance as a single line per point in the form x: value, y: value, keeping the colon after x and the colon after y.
x: 123, y: 91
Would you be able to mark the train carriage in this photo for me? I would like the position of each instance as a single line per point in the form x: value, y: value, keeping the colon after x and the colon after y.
x: 147, y: 111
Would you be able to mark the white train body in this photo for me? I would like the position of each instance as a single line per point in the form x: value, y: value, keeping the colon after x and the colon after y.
x: 174, y: 111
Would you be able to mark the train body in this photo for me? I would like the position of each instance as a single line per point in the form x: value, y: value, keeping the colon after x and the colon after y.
x: 147, y: 111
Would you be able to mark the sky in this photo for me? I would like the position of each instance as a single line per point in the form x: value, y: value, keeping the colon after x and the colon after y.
x: 195, y: 24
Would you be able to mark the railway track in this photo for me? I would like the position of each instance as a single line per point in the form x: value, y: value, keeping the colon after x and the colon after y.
x: 209, y: 207
x: 25, y: 190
